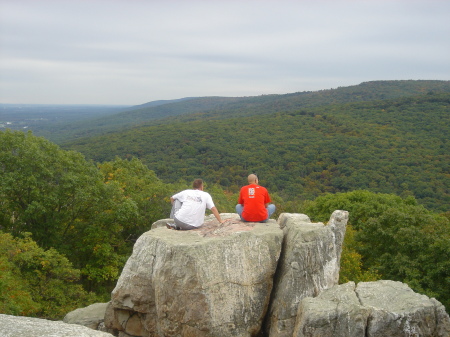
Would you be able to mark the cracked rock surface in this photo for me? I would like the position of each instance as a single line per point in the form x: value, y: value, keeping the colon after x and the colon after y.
x: 372, y: 309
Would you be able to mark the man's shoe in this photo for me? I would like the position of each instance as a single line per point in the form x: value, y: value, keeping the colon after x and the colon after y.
x: 171, y: 225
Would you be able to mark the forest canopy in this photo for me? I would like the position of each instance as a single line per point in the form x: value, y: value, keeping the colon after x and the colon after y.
x: 66, y: 206
x: 396, y: 146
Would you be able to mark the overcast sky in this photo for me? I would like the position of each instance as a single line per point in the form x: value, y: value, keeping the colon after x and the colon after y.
x: 132, y: 52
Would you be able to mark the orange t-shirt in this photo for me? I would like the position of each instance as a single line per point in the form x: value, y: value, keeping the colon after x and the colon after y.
x: 254, y: 198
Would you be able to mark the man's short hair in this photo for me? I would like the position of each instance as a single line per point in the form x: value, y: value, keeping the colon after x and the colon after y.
x: 252, y: 178
x: 197, y: 184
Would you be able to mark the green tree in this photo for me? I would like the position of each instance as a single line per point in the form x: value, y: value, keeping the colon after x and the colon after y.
x: 63, y: 201
x: 391, y: 238
x: 37, y: 282
x: 351, y: 261
x: 361, y: 205
x: 225, y: 201
x: 412, y: 245
x: 140, y: 184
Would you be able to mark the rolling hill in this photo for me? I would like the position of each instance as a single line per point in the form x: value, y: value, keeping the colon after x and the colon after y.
x: 158, y: 112
x: 389, y: 137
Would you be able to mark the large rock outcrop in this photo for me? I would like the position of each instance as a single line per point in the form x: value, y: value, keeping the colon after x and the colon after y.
x: 266, y: 280
x: 16, y: 326
x: 213, y: 281
x: 218, y: 280
x: 91, y: 316
x: 309, y: 263
x: 371, y: 309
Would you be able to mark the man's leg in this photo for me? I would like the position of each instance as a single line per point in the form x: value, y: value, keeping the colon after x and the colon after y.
x: 270, y: 210
x: 175, y: 207
x: 183, y: 226
x: 239, y: 210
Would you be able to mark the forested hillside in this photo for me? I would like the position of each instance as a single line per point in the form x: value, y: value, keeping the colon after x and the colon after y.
x: 396, y: 146
x: 226, y: 107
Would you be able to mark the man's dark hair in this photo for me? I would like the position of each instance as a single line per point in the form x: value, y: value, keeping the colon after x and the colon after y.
x: 197, y: 184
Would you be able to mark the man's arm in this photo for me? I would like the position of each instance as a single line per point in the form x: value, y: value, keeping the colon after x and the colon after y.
x: 216, y: 214
x: 267, y: 199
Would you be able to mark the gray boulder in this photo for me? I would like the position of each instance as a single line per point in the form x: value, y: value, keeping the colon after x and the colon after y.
x: 309, y: 263
x: 16, y: 326
x: 90, y: 316
x: 398, y: 311
x: 212, y: 281
x: 335, y: 312
x: 372, y: 309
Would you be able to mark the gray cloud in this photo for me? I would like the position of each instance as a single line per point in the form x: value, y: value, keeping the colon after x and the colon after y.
x: 132, y: 52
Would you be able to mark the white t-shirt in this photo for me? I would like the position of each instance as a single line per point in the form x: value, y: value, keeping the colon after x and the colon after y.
x: 192, y: 210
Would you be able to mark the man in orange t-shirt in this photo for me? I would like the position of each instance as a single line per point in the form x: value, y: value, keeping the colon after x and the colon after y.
x: 254, y: 202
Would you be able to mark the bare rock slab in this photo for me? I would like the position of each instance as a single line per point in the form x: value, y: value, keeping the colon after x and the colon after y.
x: 213, y: 281
x: 17, y: 326
x: 335, y: 312
x: 371, y: 309
x: 398, y: 311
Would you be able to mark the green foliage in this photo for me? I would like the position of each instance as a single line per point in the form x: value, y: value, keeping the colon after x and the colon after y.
x: 37, y: 282
x: 43, y: 188
x: 92, y: 215
x: 362, y: 205
x: 62, y: 200
x: 391, y: 238
x: 392, y: 146
x: 141, y: 185
x: 15, y: 297
x: 224, y: 201
x: 351, y: 261
x: 412, y: 245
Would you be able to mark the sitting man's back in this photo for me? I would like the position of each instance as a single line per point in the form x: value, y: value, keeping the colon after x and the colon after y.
x: 254, y: 202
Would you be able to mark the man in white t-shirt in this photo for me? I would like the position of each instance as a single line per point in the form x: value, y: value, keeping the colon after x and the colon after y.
x: 188, y: 207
